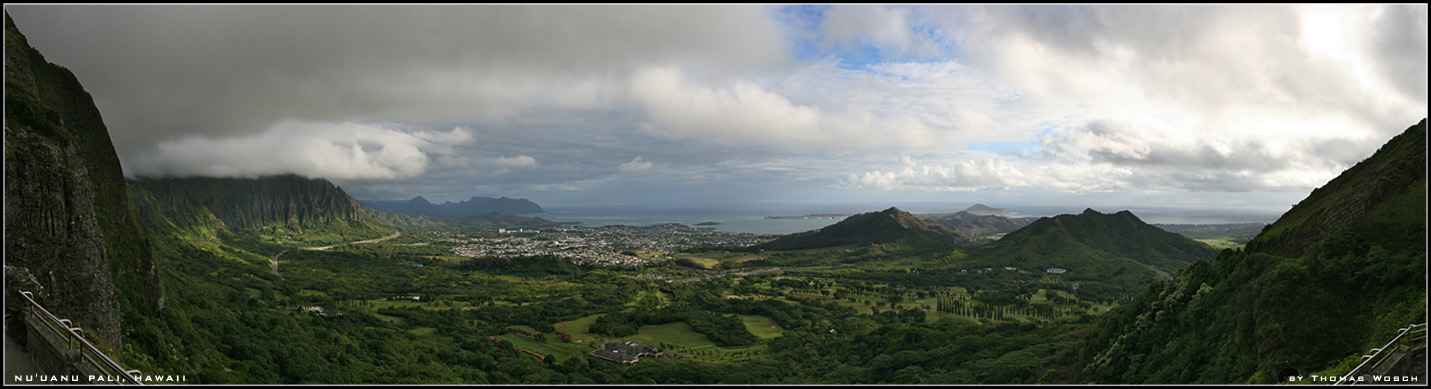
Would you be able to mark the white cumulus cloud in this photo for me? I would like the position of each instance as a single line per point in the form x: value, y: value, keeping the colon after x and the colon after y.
x: 344, y: 151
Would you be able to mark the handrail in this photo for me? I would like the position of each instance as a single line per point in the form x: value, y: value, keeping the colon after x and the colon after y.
x: 76, y: 340
x: 1376, y: 352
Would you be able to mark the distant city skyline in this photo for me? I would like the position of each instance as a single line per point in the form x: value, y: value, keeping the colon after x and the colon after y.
x: 1182, y: 108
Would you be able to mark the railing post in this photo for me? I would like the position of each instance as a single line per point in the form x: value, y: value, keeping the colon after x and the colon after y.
x: 1376, y: 352
x: 74, y: 335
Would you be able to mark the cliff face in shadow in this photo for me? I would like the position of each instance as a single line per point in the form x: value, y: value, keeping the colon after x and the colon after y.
x: 67, y: 214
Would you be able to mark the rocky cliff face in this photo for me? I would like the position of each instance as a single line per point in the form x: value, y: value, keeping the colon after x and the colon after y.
x: 67, y: 217
x: 288, y: 200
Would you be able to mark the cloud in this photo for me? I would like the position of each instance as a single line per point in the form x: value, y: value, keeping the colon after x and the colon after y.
x: 342, y: 151
x: 636, y: 165
x: 908, y: 101
x: 746, y: 113
x: 165, y: 72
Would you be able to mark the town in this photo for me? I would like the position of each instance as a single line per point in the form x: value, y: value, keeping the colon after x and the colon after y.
x: 603, y: 246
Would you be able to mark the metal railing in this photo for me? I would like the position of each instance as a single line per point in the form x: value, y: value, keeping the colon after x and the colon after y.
x: 74, y: 336
x: 1418, y: 332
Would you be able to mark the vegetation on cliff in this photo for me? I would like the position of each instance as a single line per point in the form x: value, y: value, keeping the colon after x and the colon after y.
x: 1334, y: 277
x: 68, y: 218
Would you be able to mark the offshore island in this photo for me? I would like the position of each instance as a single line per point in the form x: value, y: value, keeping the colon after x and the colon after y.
x: 818, y: 216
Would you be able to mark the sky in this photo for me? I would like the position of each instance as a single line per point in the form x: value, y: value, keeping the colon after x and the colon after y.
x: 1235, y: 108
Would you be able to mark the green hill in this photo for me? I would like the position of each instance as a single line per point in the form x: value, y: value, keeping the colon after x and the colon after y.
x: 1334, y: 277
x: 1121, y: 234
x: 1106, y: 254
x: 888, y: 226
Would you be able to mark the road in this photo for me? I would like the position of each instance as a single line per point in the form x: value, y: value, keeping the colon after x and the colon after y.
x: 275, y: 263
x: 1165, y: 274
x: 275, y: 257
x: 394, y: 235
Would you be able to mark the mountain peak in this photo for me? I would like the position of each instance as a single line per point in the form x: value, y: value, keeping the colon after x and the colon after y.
x: 1122, y: 234
x: 984, y: 210
x: 419, y: 200
x: 888, y: 226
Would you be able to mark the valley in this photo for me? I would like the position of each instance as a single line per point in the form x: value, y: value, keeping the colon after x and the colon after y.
x: 538, y: 302
x: 272, y: 277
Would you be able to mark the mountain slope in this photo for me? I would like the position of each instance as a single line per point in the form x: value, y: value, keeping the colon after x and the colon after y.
x: 1335, y: 276
x: 288, y: 203
x: 1121, y: 234
x: 974, y: 228
x: 67, y: 218
x: 1107, y: 255
x: 889, y: 226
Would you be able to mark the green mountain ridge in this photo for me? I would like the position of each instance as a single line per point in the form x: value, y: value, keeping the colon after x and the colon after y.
x: 289, y: 203
x: 1334, y: 277
x: 888, y: 226
x: 1121, y: 234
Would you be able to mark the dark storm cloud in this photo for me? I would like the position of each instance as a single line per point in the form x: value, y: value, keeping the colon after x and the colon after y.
x: 168, y: 71
x: 746, y: 102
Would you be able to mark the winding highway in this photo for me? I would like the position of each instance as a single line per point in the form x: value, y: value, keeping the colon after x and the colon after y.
x: 275, y: 256
x: 394, y: 235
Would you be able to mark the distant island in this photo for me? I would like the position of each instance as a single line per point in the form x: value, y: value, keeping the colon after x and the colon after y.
x: 706, y: 224
x: 476, y: 206
x: 984, y: 210
x: 818, y: 216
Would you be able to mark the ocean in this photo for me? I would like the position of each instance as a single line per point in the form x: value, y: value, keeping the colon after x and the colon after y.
x: 731, y: 220
x: 752, y: 219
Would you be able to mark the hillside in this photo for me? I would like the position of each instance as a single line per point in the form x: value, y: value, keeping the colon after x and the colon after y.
x: 976, y: 228
x: 1121, y: 234
x: 1334, y: 277
x: 475, y: 206
x: 286, y: 204
x: 889, y: 226
x: 68, y: 221
x: 1106, y: 254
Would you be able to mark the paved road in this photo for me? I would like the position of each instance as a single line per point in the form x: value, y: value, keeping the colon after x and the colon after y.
x: 394, y: 235
x: 17, y: 363
x: 275, y: 263
x: 1165, y: 274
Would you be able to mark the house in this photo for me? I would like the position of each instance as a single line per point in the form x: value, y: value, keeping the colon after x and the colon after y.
x: 625, y: 352
x: 1055, y: 270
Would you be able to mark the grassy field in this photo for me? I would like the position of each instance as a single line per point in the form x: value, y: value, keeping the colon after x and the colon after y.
x: 714, y: 260
x: 1222, y: 243
x: 582, y: 325
x: 543, y: 348
x: 762, y: 327
x: 677, y: 334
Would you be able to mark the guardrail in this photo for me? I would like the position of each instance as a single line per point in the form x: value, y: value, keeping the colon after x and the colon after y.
x: 75, y: 338
x: 1418, y: 332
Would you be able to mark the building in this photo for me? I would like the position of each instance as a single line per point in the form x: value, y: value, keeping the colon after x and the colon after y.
x: 1055, y: 270
x: 625, y: 352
